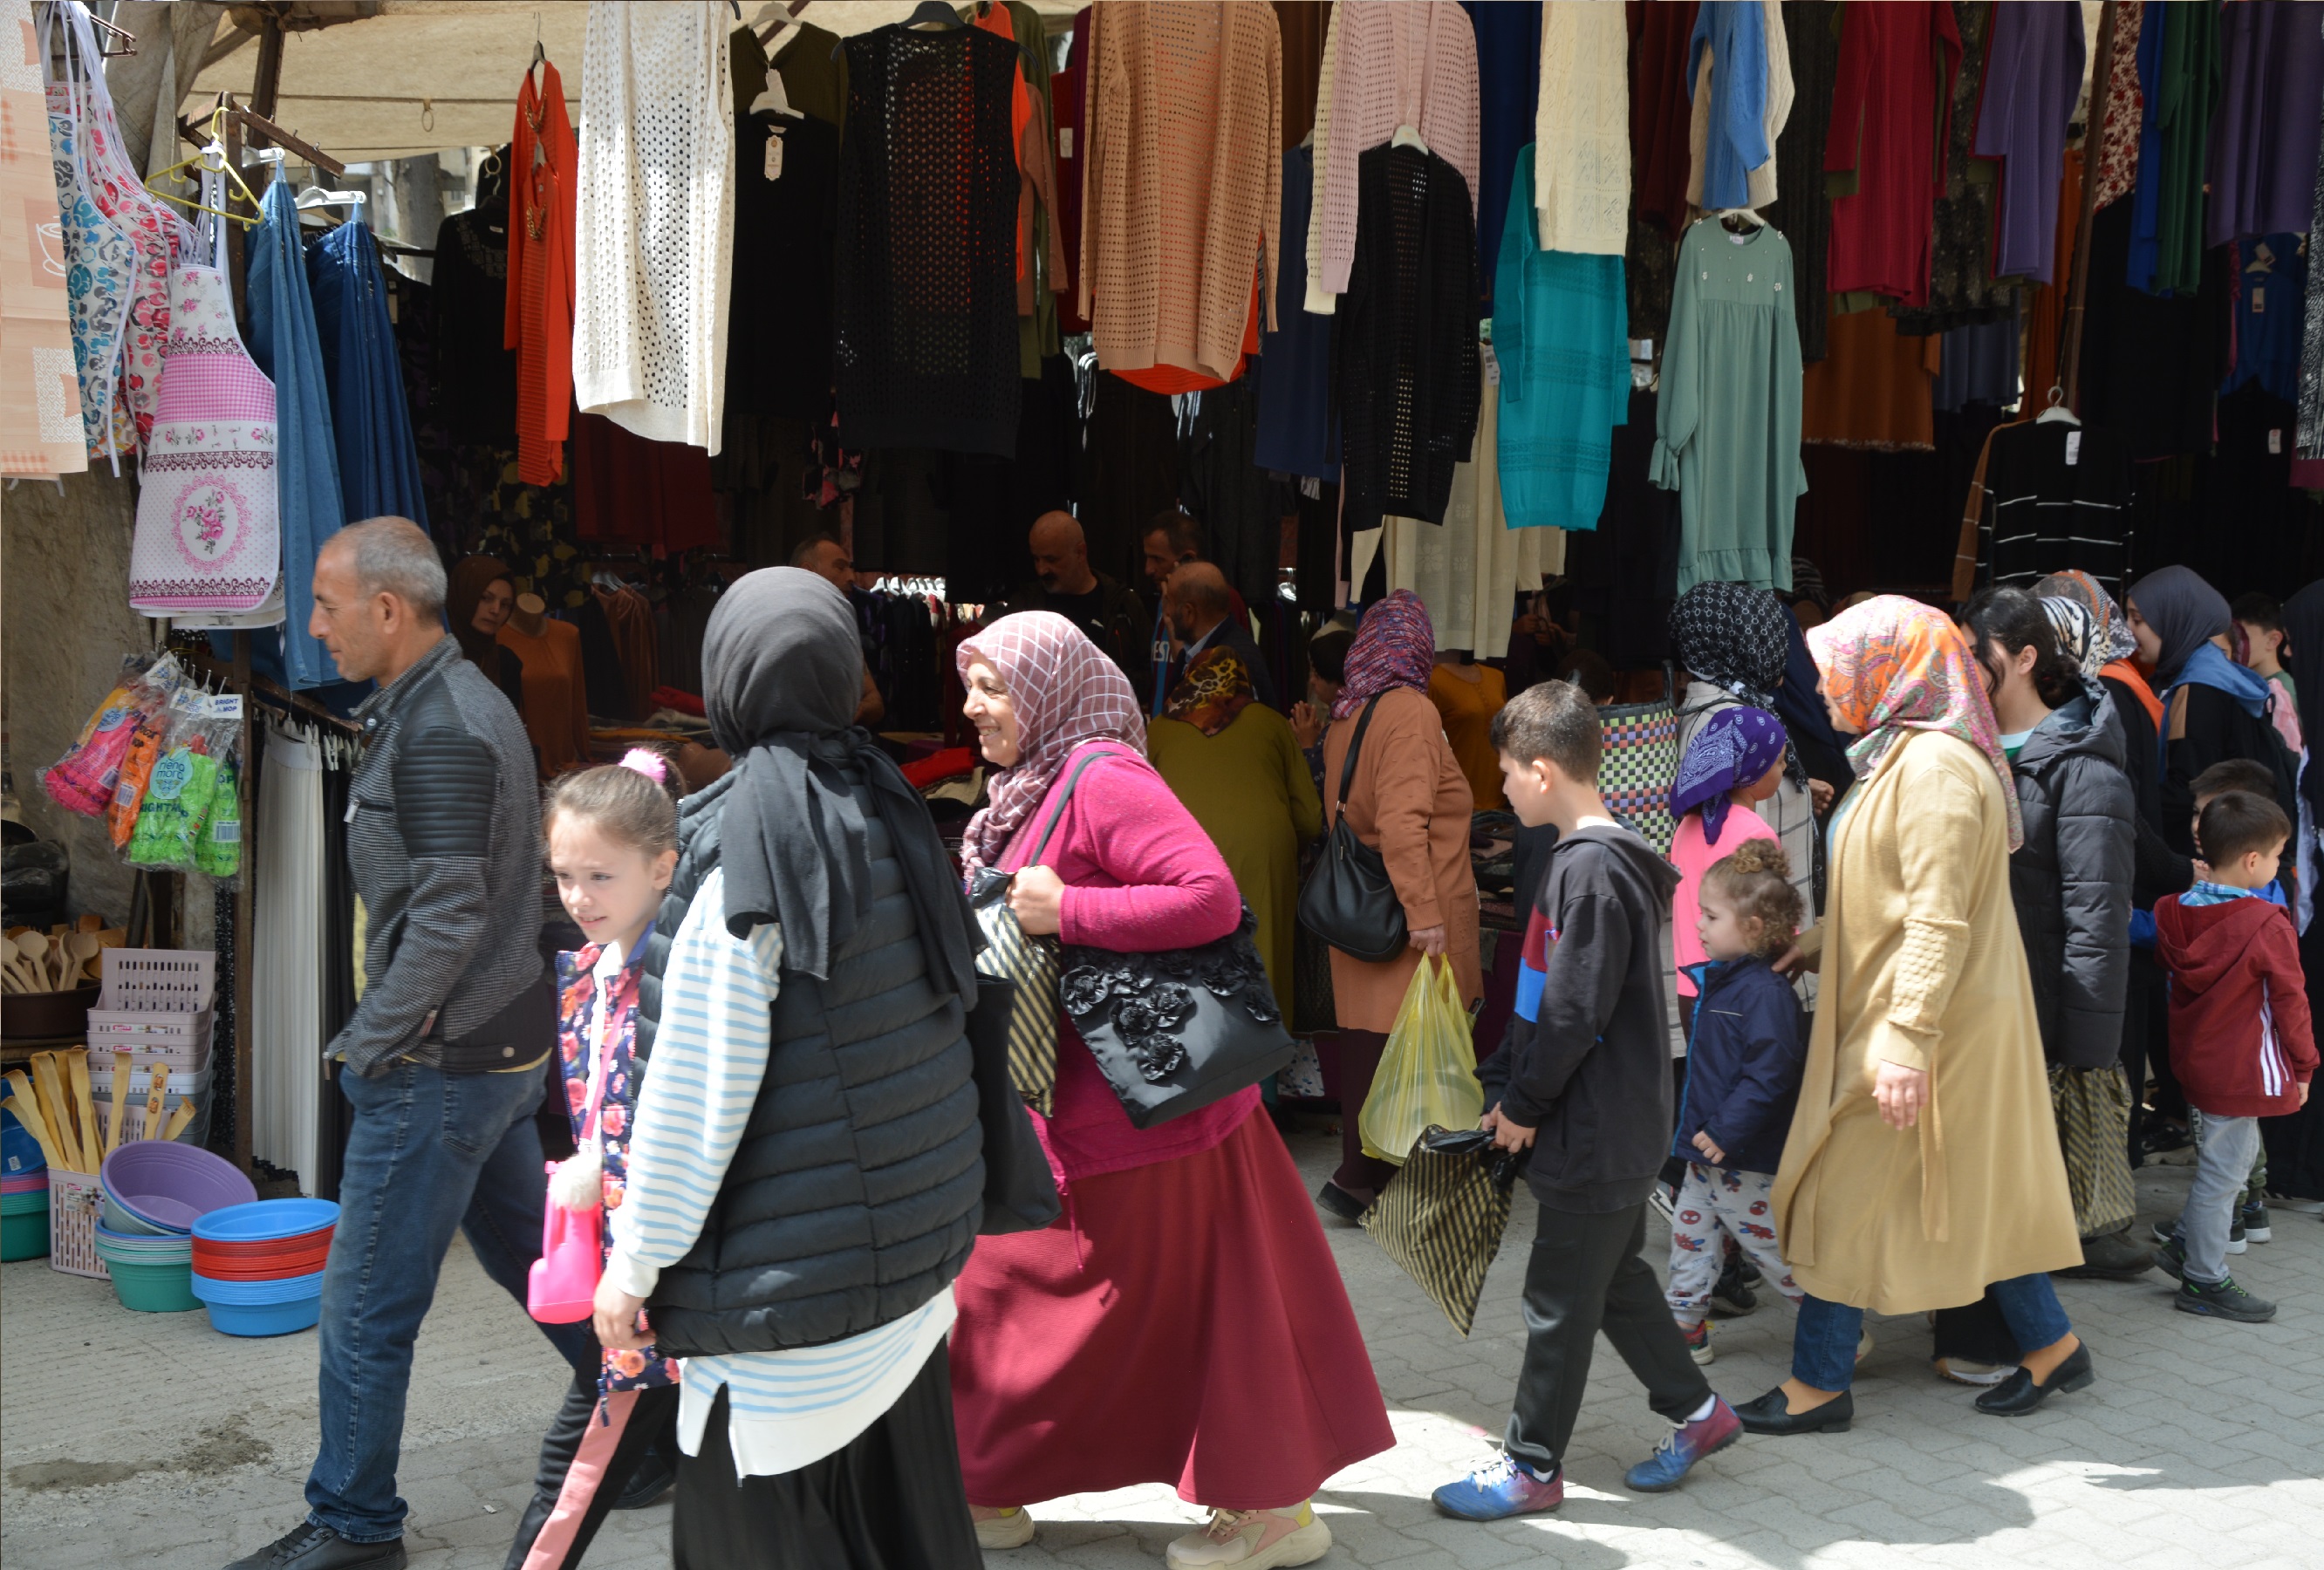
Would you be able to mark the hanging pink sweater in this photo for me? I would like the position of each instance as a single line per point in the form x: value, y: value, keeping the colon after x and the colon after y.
x: 1140, y: 875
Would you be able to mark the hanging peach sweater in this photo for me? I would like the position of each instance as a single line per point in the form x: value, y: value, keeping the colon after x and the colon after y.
x: 1182, y: 181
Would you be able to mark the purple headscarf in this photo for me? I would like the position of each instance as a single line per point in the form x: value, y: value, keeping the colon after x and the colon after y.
x: 1735, y: 748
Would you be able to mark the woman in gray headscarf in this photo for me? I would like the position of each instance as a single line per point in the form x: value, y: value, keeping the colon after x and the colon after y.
x: 2213, y: 709
x: 805, y: 1167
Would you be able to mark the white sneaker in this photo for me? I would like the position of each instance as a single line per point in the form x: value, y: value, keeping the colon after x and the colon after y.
x: 1253, y: 1540
x: 1002, y: 1528
x: 1960, y: 1371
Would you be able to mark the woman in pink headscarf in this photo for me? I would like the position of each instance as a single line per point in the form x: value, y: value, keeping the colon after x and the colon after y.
x: 1184, y: 1322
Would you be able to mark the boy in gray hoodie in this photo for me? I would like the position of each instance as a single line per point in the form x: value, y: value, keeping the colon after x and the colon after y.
x: 1584, y: 1081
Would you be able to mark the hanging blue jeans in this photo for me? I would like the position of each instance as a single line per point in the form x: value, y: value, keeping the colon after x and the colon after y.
x: 1823, y: 1346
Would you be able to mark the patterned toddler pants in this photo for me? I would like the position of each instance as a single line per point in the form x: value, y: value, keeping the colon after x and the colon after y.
x: 1713, y: 1199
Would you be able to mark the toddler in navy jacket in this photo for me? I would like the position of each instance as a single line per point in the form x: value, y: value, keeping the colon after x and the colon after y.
x: 1744, y: 1056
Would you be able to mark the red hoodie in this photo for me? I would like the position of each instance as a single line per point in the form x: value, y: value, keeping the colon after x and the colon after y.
x: 2240, y: 1040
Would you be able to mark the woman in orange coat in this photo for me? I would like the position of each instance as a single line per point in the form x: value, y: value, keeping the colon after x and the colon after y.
x: 1409, y: 801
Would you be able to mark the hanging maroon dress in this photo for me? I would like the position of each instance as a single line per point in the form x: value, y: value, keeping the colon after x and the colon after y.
x: 1892, y: 105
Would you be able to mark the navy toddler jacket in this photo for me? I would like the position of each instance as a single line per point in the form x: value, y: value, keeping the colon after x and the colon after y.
x: 1743, y: 1064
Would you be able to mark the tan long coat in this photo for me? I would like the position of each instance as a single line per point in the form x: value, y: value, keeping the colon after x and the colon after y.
x: 1921, y: 965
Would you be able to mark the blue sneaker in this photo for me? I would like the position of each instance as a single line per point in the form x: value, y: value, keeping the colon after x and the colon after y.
x: 1499, y: 1490
x: 1688, y: 1443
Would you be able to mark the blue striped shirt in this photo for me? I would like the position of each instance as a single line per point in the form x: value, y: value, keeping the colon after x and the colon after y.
x: 785, y: 1409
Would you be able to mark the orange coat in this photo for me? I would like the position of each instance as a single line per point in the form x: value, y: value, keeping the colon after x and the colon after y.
x: 1411, y: 802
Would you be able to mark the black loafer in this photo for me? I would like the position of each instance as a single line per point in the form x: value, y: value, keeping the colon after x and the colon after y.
x: 1768, y: 1415
x: 654, y: 1479
x: 313, y: 1547
x: 1340, y: 1205
x: 2018, y: 1394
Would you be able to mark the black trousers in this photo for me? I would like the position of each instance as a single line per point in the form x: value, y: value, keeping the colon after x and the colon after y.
x: 646, y: 1421
x: 890, y: 1500
x: 1359, y: 1055
x: 1585, y: 1276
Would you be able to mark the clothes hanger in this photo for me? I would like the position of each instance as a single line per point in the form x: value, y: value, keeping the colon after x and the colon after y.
x: 1408, y: 136
x: 774, y: 100
x: 1728, y: 216
x: 2057, y: 412
x: 210, y: 160
x: 316, y: 196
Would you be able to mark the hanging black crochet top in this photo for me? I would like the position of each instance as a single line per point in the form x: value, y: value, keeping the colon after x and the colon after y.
x: 927, y: 283
x: 1406, y: 369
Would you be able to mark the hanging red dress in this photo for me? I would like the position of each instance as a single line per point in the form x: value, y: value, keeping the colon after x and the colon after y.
x: 1892, y: 102
x: 539, y: 323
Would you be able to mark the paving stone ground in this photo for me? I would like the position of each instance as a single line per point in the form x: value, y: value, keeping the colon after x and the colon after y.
x: 136, y: 1440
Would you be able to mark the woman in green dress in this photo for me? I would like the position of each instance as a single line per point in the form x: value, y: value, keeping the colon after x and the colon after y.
x: 1235, y: 764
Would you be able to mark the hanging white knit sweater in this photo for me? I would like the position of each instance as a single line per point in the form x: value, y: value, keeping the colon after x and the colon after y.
x: 655, y: 226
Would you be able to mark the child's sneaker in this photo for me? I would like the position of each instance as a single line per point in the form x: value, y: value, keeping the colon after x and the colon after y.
x: 1731, y: 1298
x: 2223, y: 1300
x: 1501, y: 1489
x: 1253, y: 1539
x: 2171, y: 1259
x: 2255, y: 1221
x: 1687, y: 1444
x: 1698, y: 1342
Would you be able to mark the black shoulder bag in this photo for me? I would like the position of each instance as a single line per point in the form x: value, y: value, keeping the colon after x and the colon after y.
x: 1349, y: 901
x: 1173, y: 1030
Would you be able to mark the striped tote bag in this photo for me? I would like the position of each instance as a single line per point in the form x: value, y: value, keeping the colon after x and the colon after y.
x: 1441, y: 1219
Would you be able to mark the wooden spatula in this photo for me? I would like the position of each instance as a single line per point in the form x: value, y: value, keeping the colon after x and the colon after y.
x: 159, y: 1088
x: 21, y: 1102
x: 119, y: 1099
x: 92, y: 1140
x: 57, y: 1108
x: 178, y: 1119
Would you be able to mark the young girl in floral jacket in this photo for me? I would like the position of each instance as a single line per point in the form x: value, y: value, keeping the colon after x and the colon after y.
x: 612, y: 846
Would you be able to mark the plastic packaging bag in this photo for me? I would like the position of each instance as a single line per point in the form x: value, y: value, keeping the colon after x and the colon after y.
x: 82, y: 781
x: 181, y: 789
x: 1428, y: 1071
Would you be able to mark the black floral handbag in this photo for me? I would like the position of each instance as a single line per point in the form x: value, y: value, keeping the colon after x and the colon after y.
x: 1177, y: 1029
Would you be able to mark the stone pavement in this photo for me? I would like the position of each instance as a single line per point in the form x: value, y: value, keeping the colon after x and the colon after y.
x: 133, y: 1439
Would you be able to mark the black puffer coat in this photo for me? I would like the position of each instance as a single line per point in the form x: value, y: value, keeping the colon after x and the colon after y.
x: 2071, y: 880
x: 856, y: 1193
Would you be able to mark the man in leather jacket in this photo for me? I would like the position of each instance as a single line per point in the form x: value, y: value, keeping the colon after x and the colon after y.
x: 442, y: 1060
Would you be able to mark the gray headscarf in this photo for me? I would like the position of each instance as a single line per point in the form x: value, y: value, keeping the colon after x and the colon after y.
x: 783, y: 672
x: 2185, y: 612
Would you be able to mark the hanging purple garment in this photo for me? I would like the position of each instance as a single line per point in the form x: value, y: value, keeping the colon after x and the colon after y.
x: 2033, y: 77
x: 2262, y: 169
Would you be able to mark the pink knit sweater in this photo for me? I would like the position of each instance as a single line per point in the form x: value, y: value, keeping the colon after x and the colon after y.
x: 1395, y: 62
x: 1140, y: 875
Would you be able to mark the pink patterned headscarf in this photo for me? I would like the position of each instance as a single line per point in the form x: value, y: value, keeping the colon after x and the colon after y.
x: 1892, y: 666
x: 1067, y: 692
x: 1394, y: 647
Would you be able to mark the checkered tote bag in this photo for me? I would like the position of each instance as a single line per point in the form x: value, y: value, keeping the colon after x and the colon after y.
x: 1441, y: 1219
x: 1641, y: 764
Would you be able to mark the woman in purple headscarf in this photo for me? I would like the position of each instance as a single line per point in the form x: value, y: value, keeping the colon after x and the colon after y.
x: 1735, y: 761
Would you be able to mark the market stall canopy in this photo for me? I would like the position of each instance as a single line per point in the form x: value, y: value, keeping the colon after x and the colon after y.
x: 371, y: 79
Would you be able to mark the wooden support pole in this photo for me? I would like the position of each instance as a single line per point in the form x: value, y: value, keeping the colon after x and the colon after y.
x: 2093, y: 137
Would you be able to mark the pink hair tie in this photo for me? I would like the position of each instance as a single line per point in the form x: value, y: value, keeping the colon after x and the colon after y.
x: 649, y: 763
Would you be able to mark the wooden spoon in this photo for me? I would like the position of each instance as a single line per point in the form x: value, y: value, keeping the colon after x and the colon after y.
x: 32, y: 953
x: 79, y: 950
x: 28, y: 972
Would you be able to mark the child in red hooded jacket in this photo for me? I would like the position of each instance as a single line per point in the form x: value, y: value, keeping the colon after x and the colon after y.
x: 2240, y: 1037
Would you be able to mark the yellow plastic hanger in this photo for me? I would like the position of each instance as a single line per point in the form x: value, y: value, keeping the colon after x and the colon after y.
x: 210, y: 160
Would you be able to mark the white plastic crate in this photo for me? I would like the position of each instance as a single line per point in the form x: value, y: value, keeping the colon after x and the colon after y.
x: 156, y: 1002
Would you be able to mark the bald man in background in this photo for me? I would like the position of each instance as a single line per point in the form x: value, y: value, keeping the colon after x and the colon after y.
x: 1108, y: 611
x: 1201, y: 609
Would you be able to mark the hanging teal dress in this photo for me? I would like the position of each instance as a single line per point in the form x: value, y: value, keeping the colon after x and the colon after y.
x: 1560, y: 336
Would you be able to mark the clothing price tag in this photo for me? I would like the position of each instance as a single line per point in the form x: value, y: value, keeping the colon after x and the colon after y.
x: 774, y: 158
x: 2259, y: 300
x: 1065, y: 142
x: 351, y: 810
x: 2274, y: 442
x: 2073, y: 449
x: 1642, y: 348
x: 1492, y: 366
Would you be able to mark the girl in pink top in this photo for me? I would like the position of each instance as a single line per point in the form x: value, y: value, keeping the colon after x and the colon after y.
x: 1184, y: 1322
x: 1735, y: 760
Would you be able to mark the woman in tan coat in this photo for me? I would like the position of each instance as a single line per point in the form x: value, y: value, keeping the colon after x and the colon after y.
x: 1922, y: 1162
x: 1409, y: 801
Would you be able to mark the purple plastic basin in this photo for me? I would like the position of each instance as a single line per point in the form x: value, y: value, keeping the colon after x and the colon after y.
x: 172, y: 1185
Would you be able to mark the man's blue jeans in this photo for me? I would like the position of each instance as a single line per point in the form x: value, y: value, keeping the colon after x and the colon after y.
x: 1823, y: 1346
x: 428, y: 1151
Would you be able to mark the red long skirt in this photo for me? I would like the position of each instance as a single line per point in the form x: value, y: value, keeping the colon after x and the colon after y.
x: 1182, y: 1323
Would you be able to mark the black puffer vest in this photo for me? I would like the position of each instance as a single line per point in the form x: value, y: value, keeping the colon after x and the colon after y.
x: 856, y: 1193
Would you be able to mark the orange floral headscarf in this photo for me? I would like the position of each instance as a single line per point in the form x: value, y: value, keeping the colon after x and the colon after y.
x: 1213, y: 691
x: 1892, y: 666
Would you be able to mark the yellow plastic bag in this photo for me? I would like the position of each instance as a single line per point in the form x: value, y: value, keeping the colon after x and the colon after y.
x: 1428, y: 1071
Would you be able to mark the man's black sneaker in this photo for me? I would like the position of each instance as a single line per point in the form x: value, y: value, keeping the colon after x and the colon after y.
x: 2255, y: 1221
x: 2223, y: 1300
x: 2159, y: 1137
x: 310, y: 1546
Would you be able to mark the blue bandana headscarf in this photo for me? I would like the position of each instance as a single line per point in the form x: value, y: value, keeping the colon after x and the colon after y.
x: 1735, y: 748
